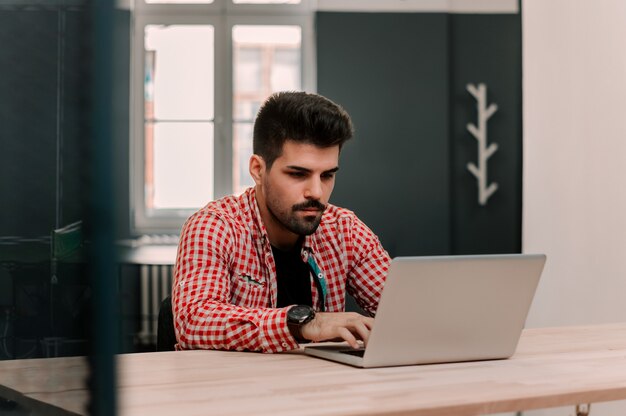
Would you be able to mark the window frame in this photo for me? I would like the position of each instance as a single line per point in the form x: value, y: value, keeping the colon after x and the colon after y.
x: 222, y: 15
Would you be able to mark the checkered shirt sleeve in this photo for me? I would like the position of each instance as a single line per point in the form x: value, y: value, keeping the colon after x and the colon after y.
x: 205, y: 318
x: 369, y: 266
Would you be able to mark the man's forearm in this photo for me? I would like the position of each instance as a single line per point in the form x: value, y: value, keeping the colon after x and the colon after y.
x: 214, y: 325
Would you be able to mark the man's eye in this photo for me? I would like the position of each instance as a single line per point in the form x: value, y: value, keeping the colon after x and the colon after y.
x: 328, y: 175
x: 296, y: 174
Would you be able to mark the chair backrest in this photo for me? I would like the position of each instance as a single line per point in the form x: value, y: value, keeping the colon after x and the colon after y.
x: 166, y: 337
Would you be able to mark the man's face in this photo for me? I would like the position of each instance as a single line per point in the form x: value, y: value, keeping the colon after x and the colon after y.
x: 298, y: 186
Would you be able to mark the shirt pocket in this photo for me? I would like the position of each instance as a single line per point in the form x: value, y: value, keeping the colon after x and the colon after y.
x: 248, y: 289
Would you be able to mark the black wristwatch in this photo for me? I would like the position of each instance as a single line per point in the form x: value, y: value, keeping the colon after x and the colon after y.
x: 298, y: 316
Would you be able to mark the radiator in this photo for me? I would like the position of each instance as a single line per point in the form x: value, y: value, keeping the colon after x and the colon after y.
x: 155, y: 285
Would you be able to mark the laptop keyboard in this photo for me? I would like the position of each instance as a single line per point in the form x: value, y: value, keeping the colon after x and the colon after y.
x: 358, y: 353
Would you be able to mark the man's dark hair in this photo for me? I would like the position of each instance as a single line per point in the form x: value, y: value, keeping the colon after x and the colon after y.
x: 301, y: 117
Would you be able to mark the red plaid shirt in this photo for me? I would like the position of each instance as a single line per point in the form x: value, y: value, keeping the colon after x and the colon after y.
x: 224, y: 293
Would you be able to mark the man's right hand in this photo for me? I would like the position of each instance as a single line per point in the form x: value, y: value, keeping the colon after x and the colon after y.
x: 347, y: 326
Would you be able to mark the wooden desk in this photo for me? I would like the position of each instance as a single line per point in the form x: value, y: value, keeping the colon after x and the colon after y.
x: 552, y: 367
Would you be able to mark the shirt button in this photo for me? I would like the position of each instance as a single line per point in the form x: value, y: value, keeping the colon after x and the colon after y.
x: 285, y: 345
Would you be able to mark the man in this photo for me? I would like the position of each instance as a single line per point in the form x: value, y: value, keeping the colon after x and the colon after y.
x: 270, y: 268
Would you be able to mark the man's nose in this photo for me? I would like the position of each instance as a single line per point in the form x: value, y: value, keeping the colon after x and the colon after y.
x: 313, y: 189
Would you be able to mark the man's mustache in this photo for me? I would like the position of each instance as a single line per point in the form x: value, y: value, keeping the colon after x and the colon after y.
x: 308, y: 205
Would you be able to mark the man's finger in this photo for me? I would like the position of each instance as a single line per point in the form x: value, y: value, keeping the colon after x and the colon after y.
x: 363, y: 332
x: 348, y: 337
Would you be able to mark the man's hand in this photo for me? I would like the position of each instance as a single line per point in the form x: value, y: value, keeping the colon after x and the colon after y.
x: 348, y: 326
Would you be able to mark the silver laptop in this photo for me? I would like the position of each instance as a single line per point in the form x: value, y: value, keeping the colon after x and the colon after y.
x: 447, y: 309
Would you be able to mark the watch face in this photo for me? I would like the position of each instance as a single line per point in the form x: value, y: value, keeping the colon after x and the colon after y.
x: 300, y: 314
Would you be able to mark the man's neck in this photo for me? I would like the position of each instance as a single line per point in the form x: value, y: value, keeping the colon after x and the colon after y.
x: 283, y: 246
x: 290, y: 249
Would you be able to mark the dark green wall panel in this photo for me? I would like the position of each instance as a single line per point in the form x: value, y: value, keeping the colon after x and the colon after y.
x: 487, y: 49
x: 44, y: 109
x: 403, y: 78
x: 46, y: 165
x: 74, y: 122
x: 28, y: 103
x: 388, y: 71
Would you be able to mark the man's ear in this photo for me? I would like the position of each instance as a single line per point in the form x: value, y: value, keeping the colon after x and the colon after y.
x: 257, y: 168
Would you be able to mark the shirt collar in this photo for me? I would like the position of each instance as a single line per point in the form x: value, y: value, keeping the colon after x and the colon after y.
x: 259, y: 232
x: 309, y: 246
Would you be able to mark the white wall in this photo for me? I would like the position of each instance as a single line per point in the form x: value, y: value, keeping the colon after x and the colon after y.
x: 574, y: 89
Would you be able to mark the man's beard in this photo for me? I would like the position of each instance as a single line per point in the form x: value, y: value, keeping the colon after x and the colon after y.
x: 289, y: 218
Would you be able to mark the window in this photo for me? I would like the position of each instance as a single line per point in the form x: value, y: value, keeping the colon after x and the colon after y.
x: 265, y: 59
x: 178, y: 116
x: 202, y: 69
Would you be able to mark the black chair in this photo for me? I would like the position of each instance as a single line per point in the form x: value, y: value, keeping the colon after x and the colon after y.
x: 166, y: 337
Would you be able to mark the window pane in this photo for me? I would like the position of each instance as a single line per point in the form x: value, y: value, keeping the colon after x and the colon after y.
x: 180, y: 1
x: 249, y: 69
x: 242, y: 146
x: 179, y: 71
x: 183, y: 166
x: 286, y: 36
x: 247, y: 109
x: 285, y: 69
x: 266, y: 1
x: 266, y: 59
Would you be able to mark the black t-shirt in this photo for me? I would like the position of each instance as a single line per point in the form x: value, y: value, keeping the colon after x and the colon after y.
x: 294, y: 281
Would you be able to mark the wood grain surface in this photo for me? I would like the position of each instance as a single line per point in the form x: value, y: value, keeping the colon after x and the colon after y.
x: 552, y: 367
